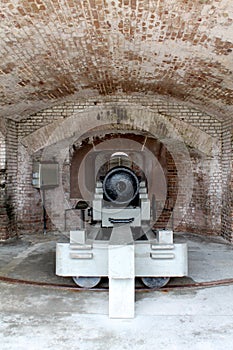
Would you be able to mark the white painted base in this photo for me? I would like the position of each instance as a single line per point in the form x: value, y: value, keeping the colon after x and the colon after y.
x: 164, y: 262
x: 121, y: 298
x: 121, y: 259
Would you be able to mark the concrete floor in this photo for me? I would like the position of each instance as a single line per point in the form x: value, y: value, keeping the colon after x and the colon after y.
x: 35, y: 317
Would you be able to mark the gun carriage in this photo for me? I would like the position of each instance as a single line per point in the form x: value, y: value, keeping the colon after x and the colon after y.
x: 120, y: 244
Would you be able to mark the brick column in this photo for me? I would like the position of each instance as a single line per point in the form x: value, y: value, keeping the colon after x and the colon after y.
x: 4, y: 221
x: 227, y: 211
x: 8, y: 181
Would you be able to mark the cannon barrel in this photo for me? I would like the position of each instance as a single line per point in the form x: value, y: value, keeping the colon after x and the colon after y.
x: 120, y: 185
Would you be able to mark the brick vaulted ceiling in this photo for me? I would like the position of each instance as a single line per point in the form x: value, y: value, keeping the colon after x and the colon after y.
x: 58, y: 50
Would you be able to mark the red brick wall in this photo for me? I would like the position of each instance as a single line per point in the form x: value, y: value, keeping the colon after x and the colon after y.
x: 3, y: 213
x: 8, y: 178
x: 227, y: 176
x: 56, y: 49
x: 202, y: 215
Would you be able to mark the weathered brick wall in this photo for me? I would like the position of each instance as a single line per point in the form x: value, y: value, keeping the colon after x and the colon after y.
x: 227, y: 175
x: 167, y: 215
x: 2, y: 152
x: 198, y: 119
x: 3, y: 213
x: 55, y: 49
x: 8, y: 180
x: 204, y: 212
x: 11, y: 172
x: 29, y: 205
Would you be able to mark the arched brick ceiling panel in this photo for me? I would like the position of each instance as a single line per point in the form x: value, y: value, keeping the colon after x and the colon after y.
x: 53, y: 50
x: 169, y: 131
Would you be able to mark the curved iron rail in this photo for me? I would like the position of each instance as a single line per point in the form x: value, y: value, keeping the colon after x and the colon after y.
x: 208, y: 284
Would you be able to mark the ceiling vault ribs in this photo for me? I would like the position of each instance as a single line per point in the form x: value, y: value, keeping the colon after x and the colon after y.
x: 62, y: 50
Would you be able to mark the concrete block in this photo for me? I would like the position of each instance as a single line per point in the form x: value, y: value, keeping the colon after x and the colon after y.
x: 165, y: 236
x: 121, y: 271
x: 78, y: 237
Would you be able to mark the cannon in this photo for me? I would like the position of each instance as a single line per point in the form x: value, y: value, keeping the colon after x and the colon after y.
x: 120, y: 244
x: 120, y: 186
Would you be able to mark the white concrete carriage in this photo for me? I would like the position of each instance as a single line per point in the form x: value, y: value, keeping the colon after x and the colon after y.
x: 121, y: 259
x: 121, y: 246
x: 153, y: 258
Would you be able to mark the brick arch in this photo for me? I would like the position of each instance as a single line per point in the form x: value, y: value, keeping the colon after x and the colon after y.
x: 134, y: 117
x: 172, y: 48
x: 57, y: 137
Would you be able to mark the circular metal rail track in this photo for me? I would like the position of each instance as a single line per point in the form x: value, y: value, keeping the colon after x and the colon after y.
x: 209, y: 284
